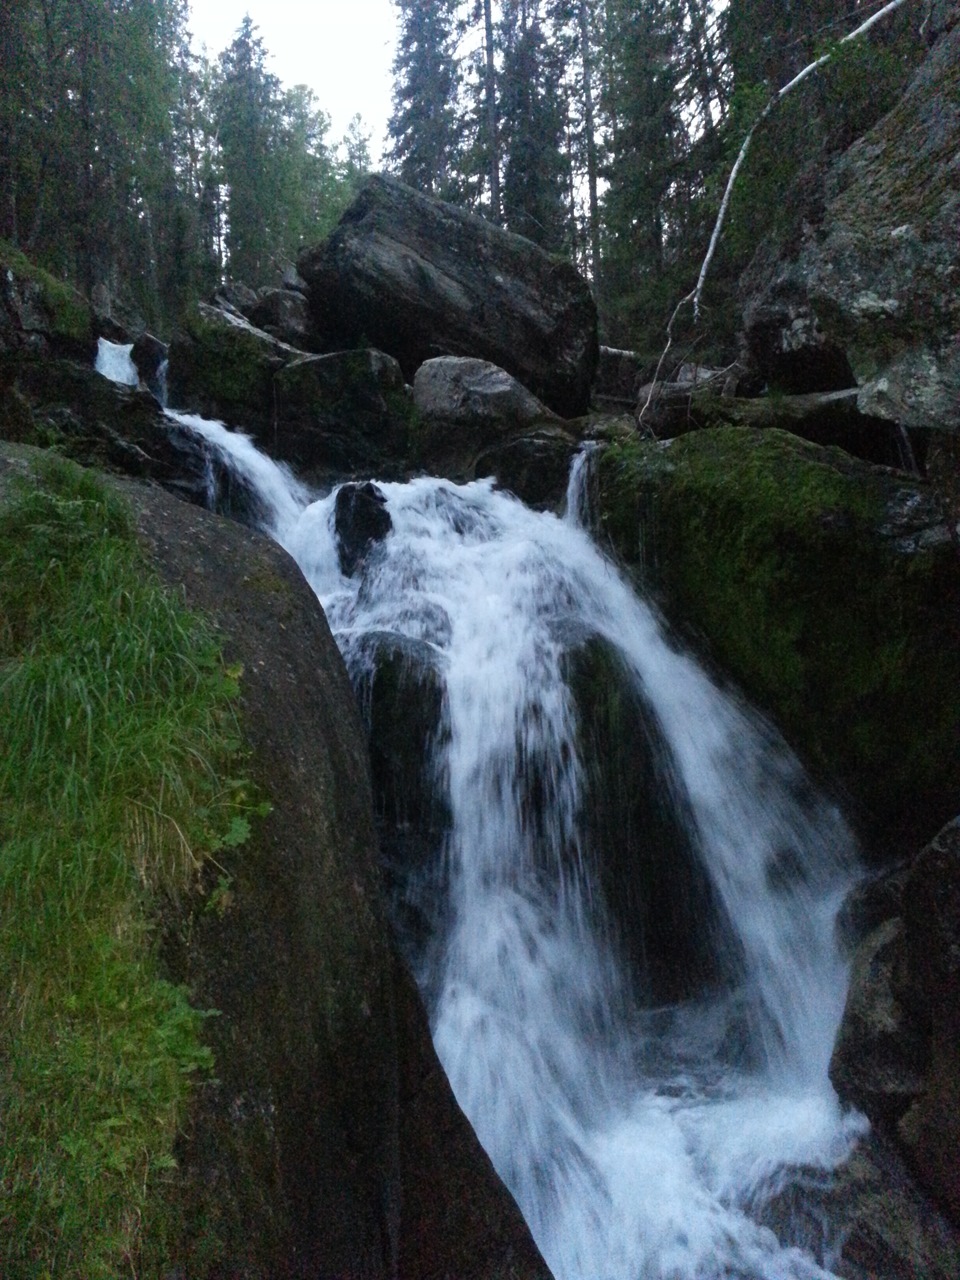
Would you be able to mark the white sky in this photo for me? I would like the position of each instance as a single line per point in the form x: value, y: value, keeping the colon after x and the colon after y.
x: 342, y: 49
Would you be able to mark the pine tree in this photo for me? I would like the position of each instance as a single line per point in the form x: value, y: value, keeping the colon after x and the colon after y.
x: 424, y: 124
x: 532, y: 125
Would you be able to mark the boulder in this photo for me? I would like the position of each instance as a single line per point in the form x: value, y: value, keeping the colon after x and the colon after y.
x: 898, y: 1049
x: 149, y: 354
x: 419, y: 278
x: 99, y: 423
x: 872, y: 297
x: 362, y: 520
x: 222, y: 367
x: 345, y: 413
x: 330, y: 1142
x: 668, y: 922
x: 828, y: 588
x: 535, y: 466
x: 618, y: 377
x: 285, y: 314
x: 465, y: 406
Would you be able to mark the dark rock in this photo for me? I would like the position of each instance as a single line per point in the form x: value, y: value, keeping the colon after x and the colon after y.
x: 898, y: 1050
x: 148, y: 354
x: 873, y: 295
x: 236, y: 297
x: 40, y: 315
x: 866, y: 1221
x: 111, y: 329
x: 668, y: 922
x: 618, y: 377
x: 419, y: 278
x: 99, y: 423
x: 222, y: 367
x: 343, y: 413
x: 362, y: 520
x: 829, y: 589
x: 285, y: 314
x: 930, y: 1132
x: 534, y: 466
x: 881, y: 1056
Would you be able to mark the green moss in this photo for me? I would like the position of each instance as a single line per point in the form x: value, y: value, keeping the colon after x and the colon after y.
x: 230, y: 370
x: 68, y: 313
x: 783, y: 555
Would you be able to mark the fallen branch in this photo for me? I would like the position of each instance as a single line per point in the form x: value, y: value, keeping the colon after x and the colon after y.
x: 695, y: 295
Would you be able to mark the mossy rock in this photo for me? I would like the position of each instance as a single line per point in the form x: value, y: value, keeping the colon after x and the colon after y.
x: 40, y: 312
x: 222, y: 367
x: 828, y: 588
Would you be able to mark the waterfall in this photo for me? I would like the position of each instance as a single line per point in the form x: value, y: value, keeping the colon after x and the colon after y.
x: 642, y: 1140
x: 114, y: 362
x: 638, y: 1143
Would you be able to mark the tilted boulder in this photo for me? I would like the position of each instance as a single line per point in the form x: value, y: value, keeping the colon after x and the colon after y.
x: 419, y: 278
x: 467, y: 408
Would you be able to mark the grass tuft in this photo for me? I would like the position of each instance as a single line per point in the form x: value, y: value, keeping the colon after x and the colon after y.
x: 117, y: 733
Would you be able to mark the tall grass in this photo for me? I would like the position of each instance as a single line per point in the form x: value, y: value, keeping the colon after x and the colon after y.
x: 117, y: 732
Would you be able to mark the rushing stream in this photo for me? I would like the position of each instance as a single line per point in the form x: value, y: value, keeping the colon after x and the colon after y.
x: 643, y: 1141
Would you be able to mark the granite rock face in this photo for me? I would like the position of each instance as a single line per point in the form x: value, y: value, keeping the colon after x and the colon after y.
x: 872, y: 299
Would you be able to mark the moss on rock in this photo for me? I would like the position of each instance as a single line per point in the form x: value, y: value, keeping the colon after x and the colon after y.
x: 37, y: 304
x: 829, y: 589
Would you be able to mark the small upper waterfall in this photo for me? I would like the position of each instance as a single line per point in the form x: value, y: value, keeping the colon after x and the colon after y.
x: 114, y: 361
x: 643, y: 1139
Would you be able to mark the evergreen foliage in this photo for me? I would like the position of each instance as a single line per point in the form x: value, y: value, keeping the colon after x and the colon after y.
x: 424, y: 126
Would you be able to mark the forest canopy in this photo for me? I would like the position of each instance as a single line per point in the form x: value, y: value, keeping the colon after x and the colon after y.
x: 603, y: 130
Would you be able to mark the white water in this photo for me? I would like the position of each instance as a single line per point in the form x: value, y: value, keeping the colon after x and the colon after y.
x: 639, y: 1144
x: 115, y: 363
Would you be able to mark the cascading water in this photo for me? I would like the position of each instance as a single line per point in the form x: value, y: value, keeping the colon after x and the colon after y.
x: 114, y: 361
x: 642, y: 1143
x: 638, y: 1144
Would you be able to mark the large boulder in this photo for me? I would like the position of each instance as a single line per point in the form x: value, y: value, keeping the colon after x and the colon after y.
x: 330, y: 1142
x: 827, y: 587
x: 872, y: 297
x: 419, y: 278
x: 100, y: 423
x: 285, y: 314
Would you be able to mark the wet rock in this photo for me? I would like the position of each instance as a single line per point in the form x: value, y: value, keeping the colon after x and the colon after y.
x: 122, y: 429
x: 534, y: 466
x: 222, y: 367
x: 829, y: 589
x: 418, y: 278
x: 330, y: 1142
x: 362, y: 520
x: 40, y: 315
x: 668, y: 921
x: 881, y: 1056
